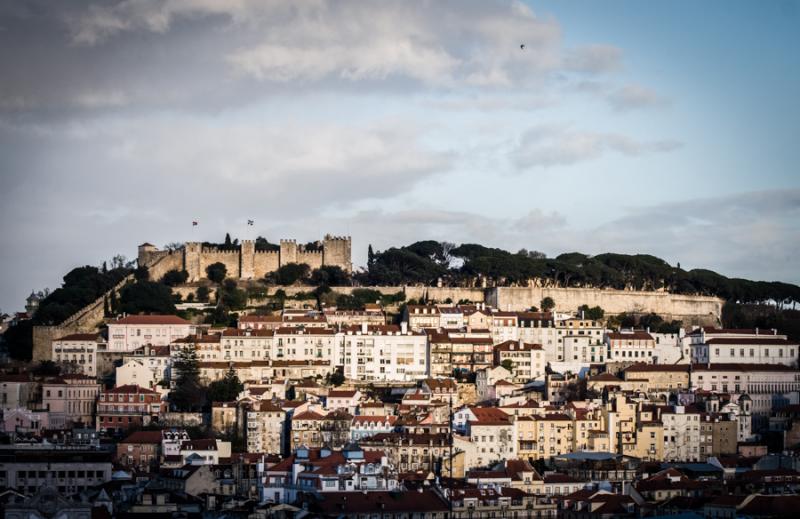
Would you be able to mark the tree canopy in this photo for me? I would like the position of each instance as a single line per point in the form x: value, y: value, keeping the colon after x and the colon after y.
x: 146, y: 297
x: 216, y: 272
x: 82, y: 286
x: 425, y: 262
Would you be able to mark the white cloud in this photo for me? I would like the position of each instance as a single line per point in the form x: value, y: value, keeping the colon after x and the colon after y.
x: 631, y: 97
x: 554, y: 145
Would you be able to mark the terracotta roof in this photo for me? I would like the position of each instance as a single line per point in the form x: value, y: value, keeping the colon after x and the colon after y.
x: 143, y: 437
x: 130, y: 388
x: 151, y: 320
x: 236, y: 332
x: 308, y: 415
x: 285, y: 330
x: 516, y: 346
x: 342, y: 393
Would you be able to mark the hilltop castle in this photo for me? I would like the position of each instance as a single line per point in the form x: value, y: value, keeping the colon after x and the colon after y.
x: 244, y: 261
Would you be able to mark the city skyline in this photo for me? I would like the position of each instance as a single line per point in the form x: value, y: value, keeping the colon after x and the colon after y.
x: 657, y: 129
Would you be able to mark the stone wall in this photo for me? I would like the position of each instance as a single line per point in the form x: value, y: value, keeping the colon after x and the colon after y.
x: 690, y: 309
x: 169, y: 260
x: 265, y: 262
x: 83, y: 321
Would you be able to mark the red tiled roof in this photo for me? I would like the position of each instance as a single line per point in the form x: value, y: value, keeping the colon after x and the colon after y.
x: 516, y: 346
x: 750, y: 340
x: 143, y: 437
x: 130, y: 388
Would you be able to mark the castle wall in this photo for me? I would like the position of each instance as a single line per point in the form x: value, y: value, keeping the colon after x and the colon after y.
x: 288, y: 251
x: 312, y: 258
x: 85, y: 320
x: 265, y: 262
x: 699, y: 309
x: 228, y: 258
x: 169, y: 260
x: 337, y: 252
x: 247, y: 260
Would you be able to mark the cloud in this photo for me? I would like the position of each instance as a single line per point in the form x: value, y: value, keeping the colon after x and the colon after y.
x: 759, y: 232
x: 595, y: 59
x: 632, y: 97
x: 554, y: 145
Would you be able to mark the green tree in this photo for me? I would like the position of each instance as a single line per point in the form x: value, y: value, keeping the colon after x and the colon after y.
x: 202, y: 294
x: 330, y: 275
x: 141, y: 273
x: 189, y: 394
x: 227, y: 389
x: 508, y: 364
x: 216, y: 272
x: 547, y: 304
x: 336, y: 378
x: 595, y: 313
x: 146, y: 297
x: 175, y: 277
x: 231, y: 297
x: 289, y: 274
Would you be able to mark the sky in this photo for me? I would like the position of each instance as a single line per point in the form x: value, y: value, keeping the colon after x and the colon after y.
x: 666, y: 128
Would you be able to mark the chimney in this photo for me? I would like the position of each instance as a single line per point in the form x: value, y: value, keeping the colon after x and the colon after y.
x: 404, y: 327
x: 364, y: 328
x: 756, y: 330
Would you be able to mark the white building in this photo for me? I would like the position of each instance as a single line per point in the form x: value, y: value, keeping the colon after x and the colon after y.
x: 304, y: 344
x: 134, y: 373
x: 78, y: 351
x: 630, y: 346
x: 715, y: 345
x: 388, y: 352
x: 242, y: 345
x: 527, y: 360
x: 133, y: 332
x: 681, y: 434
x: 769, y: 386
x: 157, y: 359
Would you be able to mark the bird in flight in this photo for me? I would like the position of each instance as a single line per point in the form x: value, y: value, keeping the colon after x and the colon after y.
x: 522, y: 47
x: 250, y: 222
x: 194, y: 223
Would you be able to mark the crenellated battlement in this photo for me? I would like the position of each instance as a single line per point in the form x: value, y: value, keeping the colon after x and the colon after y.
x: 245, y: 262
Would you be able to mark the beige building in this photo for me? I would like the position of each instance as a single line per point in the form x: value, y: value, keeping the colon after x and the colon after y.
x: 527, y: 360
x: 224, y: 416
x: 266, y: 428
x: 659, y: 377
x: 78, y: 352
x: 71, y: 398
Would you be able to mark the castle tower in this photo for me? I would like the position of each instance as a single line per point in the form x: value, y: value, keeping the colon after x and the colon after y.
x: 288, y: 252
x: 247, y: 260
x: 146, y: 251
x: 191, y: 260
x: 336, y: 251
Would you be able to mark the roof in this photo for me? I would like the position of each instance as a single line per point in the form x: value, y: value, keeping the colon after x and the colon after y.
x: 143, y: 437
x: 646, y: 368
x: 260, y: 319
x: 336, y: 504
x: 130, y: 388
x: 308, y: 415
x: 741, y: 367
x: 604, y: 377
x: 151, y: 320
x: 750, y: 340
x: 236, y: 332
x: 342, y: 393
x: 516, y: 346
